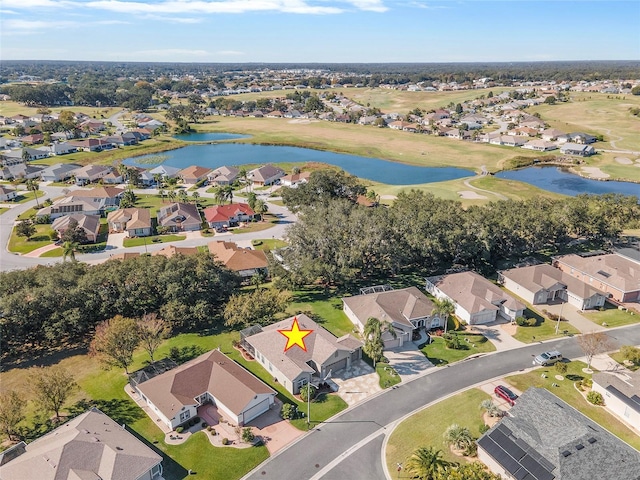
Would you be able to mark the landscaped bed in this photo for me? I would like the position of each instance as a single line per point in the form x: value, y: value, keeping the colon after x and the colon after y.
x: 470, y: 344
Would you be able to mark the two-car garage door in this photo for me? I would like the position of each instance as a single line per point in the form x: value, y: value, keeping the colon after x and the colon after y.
x: 256, y: 410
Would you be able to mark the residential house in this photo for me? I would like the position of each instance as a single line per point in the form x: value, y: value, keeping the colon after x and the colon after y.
x: 476, y: 299
x: 212, y: 378
x: 545, y: 438
x: 295, y: 179
x: 91, y: 173
x: 223, y: 175
x: 113, y: 178
x: 179, y: 217
x: 166, y: 171
x: 540, y: 145
x: 91, y: 446
x: 92, y: 126
x: 295, y: 367
x: 58, y: 172
x: 110, y: 196
x: 553, y: 134
x: 265, y: 175
x: 544, y: 284
x: 407, y: 310
x: 507, y: 140
x: 525, y: 131
x: 71, y: 205
x: 577, y: 149
x: 126, y: 139
x: 92, y: 144
x: 21, y: 170
x: 228, y: 215
x: 135, y: 221
x: 61, y: 148
x: 32, y: 139
x: 194, y: 174
x: 171, y: 251
x: 244, y: 261
x: 613, y: 274
x: 7, y: 194
x: 89, y: 223
x: 581, y: 138
x: 621, y: 393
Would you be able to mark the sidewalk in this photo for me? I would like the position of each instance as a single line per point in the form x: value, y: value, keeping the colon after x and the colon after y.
x: 39, y: 251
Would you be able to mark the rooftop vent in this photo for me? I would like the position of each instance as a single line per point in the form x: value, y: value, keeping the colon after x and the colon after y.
x: 579, y: 446
x: 566, y: 453
x: 592, y: 440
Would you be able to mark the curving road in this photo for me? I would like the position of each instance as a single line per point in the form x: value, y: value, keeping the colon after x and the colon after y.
x: 349, y: 445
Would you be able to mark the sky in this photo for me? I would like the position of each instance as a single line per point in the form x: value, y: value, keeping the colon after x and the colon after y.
x: 330, y: 31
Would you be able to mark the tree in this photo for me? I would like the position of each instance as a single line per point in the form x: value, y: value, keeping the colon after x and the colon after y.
x: 307, y: 392
x: 460, y: 438
x: 69, y: 250
x: 444, y: 307
x: 220, y: 195
x: 151, y: 332
x: 550, y: 100
x: 256, y: 307
x: 25, y: 228
x: 594, y: 343
x: 492, y: 409
x: 51, y: 387
x: 468, y: 471
x: 252, y: 198
x: 11, y: 412
x: 426, y: 463
x: 74, y: 233
x: 114, y: 342
x: 261, y: 207
x: 183, y: 196
x: 635, y: 90
x: 34, y: 186
x: 372, y: 333
x: 196, y: 197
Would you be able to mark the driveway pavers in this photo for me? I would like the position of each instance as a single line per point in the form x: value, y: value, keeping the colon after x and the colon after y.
x: 408, y: 361
x: 357, y: 382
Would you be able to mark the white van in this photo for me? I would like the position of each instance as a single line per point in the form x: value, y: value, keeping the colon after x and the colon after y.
x: 547, y: 358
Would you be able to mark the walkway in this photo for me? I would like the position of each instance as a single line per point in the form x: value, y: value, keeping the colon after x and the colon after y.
x: 574, y: 317
x: 499, y: 332
x: 39, y: 251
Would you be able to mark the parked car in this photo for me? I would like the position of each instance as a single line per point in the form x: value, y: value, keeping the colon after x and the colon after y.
x: 547, y: 358
x: 506, y: 394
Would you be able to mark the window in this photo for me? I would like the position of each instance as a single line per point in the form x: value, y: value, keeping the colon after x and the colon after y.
x: 185, y: 416
x: 156, y: 471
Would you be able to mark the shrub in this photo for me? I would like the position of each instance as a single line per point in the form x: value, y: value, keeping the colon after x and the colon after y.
x: 53, y: 235
x: 204, y: 424
x: 192, y: 422
x: 196, y: 420
x: 561, y: 368
x: 306, y: 392
x: 179, y: 429
x: 452, y: 340
x: 289, y: 411
x: 225, y: 441
x: 256, y: 242
x: 521, y: 321
x: 484, y: 428
x: 631, y: 353
x: 209, y: 428
x: 213, y: 432
x: 595, y: 398
x: 247, y: 435
x: 587, y: 382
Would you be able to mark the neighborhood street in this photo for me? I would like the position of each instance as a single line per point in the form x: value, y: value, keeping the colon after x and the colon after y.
x: 349, y: 445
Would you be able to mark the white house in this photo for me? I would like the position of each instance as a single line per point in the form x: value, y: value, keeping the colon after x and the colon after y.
x: 621, y: 395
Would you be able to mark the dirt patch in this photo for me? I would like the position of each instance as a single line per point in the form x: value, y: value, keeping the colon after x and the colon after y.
x: 594, y: 172
x: 471, y: 195
x: 510, y: 328
x: 489, y: 420
x: 624, y: 160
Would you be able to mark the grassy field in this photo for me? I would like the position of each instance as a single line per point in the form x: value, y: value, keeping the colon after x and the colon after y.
x: 22, y: 245
x: 268, y: 244
x: 326, y: 306
x: 567, y: 392
x: 473, y: 344
x: 10, y: 108
x: 425, y: 428
x: 139, y: 241
x: 611, y: 316
x: 596, y: 113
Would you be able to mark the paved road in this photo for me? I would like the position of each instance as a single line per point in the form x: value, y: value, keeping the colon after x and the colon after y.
x: 10, y: 261
x: 349, y: 446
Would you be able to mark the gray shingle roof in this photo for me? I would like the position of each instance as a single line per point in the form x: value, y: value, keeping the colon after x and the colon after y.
x: 576, y: 447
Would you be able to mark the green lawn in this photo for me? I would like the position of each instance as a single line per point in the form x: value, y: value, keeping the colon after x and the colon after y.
x: 544, y: 329
x: 425, y: 428
x: 269, y: 221
x: 268, y: 244
x: 388, y: 375
x: 567, y: 392
x: 25, y: 196
x: 438, y: 353
x: 617, y: 356
x: 2, y: 210
x: 611, y: 316
x: 22, y: 245
x: 325, y: 309
x: 138, y: 241
x: 56, y: 252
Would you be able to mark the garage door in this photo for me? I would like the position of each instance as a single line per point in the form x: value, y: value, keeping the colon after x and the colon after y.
x: 256, y: 410
x: 337, y: 366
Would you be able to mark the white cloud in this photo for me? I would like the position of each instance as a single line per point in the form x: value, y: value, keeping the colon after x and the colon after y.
x: 230, y: 53
x: 369, y: 5
x: 7, y: 12
x: 26, y: 26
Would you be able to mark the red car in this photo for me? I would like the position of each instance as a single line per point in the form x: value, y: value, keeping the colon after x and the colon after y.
x: 506, y: 394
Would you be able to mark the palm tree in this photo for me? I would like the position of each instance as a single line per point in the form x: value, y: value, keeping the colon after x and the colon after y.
x: 492, y: 409
x: 444, y: 307
x: 460, y: 438
x: 171, y: 195
x: 161, y: 192
x: 158, y: 178
x: 34, y: 186
x: 221, y: 196
x: 228, y: 193
x: 195, y: 196
x: 261, y: 207
x: 182, y: 195
x: 372, y: 333
x: 69, y: 250
x: 426, y: 463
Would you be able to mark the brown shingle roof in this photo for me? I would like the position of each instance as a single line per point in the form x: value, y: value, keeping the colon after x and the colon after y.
x: 91, y: 445
x: 98, y: 192
x: 211, y: 372
x: 612, y: 269
x: 238, y: 259
x: 537, y: 277
x: 171, y: 250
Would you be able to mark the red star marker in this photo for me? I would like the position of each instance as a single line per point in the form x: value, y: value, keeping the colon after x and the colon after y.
x: 295, y: 336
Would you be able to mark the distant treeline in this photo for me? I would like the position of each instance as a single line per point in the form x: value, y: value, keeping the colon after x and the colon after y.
x: 399, y: 73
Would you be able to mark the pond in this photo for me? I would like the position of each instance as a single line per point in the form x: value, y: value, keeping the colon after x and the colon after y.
x: 555, y: 179
x: 384, y: 171
x: 209, y: 137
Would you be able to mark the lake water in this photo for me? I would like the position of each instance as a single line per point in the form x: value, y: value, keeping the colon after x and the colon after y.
x: 557, y: 180
x: 391, y: 173
x: 209, y: 137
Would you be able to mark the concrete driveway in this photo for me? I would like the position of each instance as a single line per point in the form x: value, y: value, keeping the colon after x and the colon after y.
x: 357, y: 382
x: 275, y: 432
x: 408, y: 361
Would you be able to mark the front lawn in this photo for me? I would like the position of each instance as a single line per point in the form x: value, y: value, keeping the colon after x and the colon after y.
x: 425, y: 428
x: 472, y: 344
x: 2, y: 210
x: 388, y: 375
x: 39, y: 239
x: 268, y: 222
x: 611, y: 317
x: 139, y: 241
x: 26, y: 196
x: 566, y: 391
x: 545, y: 329
x: 617, y: 356
x: 268, y: 244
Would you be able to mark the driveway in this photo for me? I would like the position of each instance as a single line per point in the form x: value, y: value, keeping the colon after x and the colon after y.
x: 275, y: 432
x: 499, y: 332
x: 408, y: 361
x: 357, y: 382
x: 569, y: 312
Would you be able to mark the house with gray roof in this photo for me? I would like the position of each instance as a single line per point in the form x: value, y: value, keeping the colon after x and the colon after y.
x: 21, y: 170
x: 89, y: 223
x: 265, y: 175
x: 72, y: 205
x: 91, y: 173
x: 165, y: 170
x: 223, y: 175
x: 180, y: 217
x: 406, y: 310
x: 212, y: 378
x: 544, y: 284
x: 621, y: 393
x: 544, y: 438
x: 577, y: 149
x: 7, y: 194
x: 476, y: 299
x: 58, y: 172
x: 89, y: 447
x: 294, y: 368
